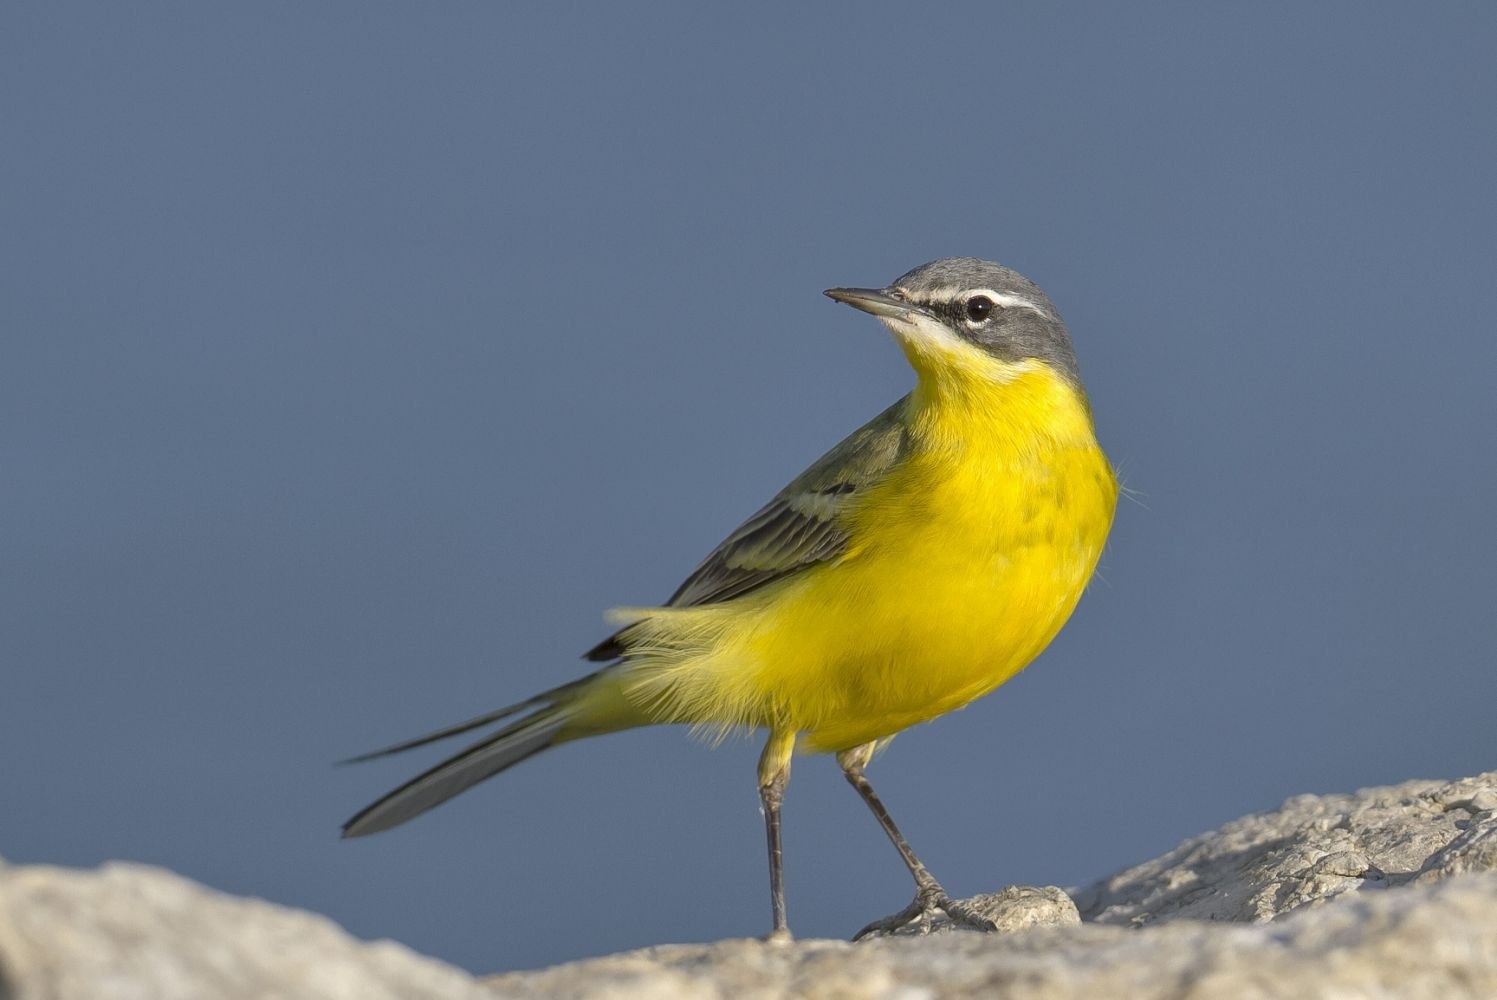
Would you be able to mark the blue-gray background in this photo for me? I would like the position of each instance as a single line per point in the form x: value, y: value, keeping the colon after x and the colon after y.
x: 355, y: 357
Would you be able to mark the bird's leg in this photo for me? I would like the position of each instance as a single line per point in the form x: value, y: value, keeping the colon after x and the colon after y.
x: 774, y: 775
x: 930, y: 898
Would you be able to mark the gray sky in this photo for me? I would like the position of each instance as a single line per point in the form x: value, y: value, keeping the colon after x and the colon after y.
x: 357, y: 356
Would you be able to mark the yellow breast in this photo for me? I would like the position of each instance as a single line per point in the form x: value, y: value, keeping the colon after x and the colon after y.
x: 965, y: 562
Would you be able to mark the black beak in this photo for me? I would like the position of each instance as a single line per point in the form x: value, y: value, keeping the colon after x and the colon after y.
x: 878, y: 301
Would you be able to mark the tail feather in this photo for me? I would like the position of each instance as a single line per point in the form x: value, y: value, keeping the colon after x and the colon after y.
x: 553, y: 697
x: 512, y: 744
x: 548, y: 714
x: 457, y: 730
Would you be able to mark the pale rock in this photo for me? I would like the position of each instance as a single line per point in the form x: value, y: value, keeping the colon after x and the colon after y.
x: 1435, y: 942
x: 134, y: 932
x: 1310, y: 849
x: 1390, y: 892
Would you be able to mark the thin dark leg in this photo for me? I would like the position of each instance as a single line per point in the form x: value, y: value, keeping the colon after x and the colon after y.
x: 929, y: 896
x: 774, y: 775
x: 852, y: 767
x: 772, y: 795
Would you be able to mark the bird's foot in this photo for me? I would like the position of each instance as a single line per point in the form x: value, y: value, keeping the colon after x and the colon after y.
x: 930, y: 901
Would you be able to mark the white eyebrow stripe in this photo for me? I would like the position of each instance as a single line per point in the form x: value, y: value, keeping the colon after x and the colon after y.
x: 1007, y: 300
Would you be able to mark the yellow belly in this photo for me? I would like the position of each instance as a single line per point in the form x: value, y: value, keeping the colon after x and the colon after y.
x: 963, y: 564
x: 941, y: 601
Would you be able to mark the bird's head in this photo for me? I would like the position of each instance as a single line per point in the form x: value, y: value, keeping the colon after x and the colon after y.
x: 960, y: 316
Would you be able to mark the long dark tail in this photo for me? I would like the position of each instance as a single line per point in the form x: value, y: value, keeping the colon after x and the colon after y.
x: 547, y: 714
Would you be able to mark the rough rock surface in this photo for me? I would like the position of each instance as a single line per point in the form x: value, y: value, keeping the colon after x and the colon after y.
x: 133, y: 932
x: 1390, y: 892
x: 1311, y: 849
x: 1427, y: 935
x: 1426, y: 942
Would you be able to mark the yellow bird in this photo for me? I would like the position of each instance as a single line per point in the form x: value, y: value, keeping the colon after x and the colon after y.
x: 916, y: 566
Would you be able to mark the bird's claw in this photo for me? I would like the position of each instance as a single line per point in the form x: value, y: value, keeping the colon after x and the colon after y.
x: 929, y: 902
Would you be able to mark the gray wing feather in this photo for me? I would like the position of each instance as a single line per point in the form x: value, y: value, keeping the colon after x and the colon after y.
x: 801, y: 527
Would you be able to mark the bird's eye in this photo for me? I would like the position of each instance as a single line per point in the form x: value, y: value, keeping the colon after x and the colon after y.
x: 978, y: 308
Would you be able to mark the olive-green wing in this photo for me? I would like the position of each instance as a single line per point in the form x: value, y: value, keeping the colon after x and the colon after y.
x: 801, y: 527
